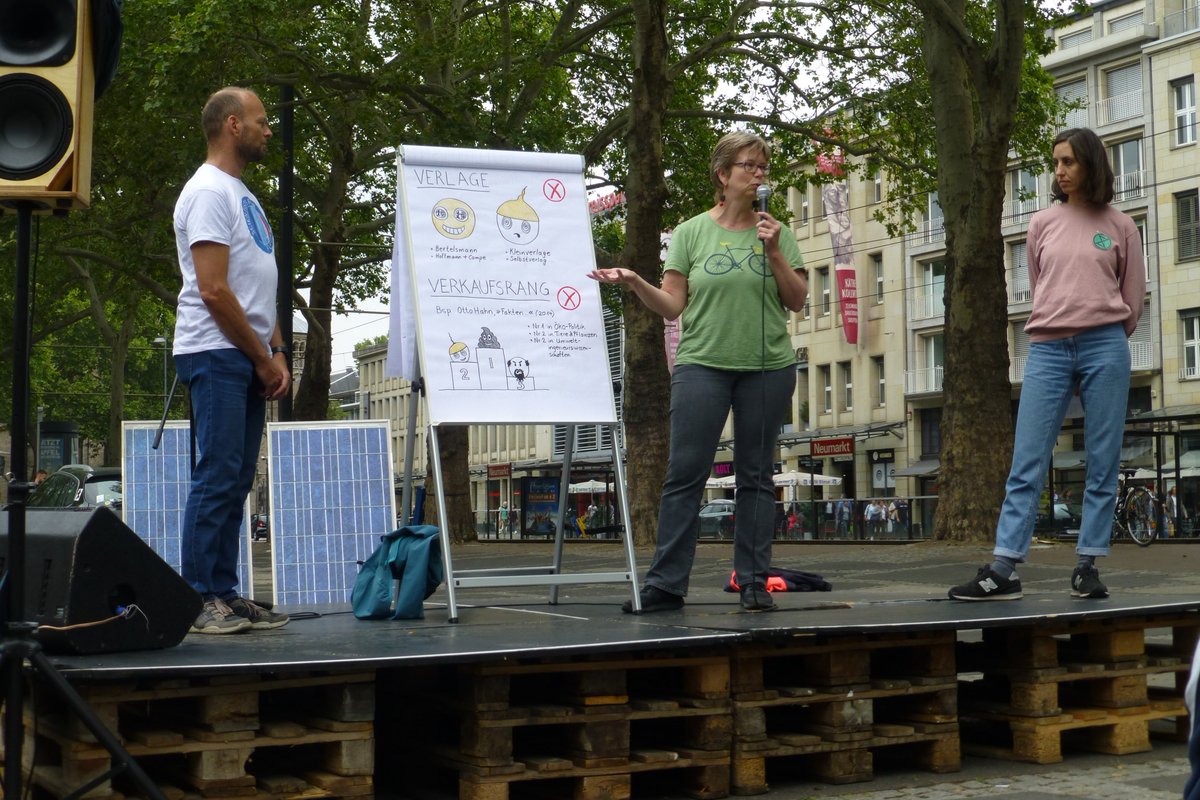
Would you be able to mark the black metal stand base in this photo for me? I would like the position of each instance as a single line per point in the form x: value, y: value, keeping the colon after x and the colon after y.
x: 18, y: 647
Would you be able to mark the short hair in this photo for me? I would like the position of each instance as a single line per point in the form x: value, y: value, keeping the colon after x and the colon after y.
x: 1091, y: 154
x: 727, y: 150
x: 222, y: 103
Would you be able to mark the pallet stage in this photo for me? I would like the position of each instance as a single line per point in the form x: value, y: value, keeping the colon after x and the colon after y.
x: 524, y: 699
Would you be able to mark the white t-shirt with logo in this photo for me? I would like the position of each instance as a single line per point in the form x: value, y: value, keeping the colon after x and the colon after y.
x: 216, y: 207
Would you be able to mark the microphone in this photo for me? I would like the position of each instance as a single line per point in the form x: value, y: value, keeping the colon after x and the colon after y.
x: 762, y: 195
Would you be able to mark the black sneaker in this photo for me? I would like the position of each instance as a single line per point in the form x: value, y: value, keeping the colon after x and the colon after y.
x: 755, y: 597
x: 987, y: 585
x: 1085, y: 582
x: 654, y: 599
x: 259, y: 617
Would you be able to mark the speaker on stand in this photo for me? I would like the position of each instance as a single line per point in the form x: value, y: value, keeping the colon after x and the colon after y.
x: 48, y: 66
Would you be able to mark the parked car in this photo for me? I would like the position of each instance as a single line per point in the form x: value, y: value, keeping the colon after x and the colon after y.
x: 78, y: 486
x: 260, y: 527
x: 716, y: 519
x: 1067, y: 517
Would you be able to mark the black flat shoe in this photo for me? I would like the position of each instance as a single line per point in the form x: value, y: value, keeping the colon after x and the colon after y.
x: 755, y: 597
x: 654, y: 599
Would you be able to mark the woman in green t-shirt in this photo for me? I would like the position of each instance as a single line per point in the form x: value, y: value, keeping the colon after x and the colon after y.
x: 733, y: 275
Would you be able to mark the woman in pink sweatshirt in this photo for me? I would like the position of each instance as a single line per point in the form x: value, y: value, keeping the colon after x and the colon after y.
x: 1089, y: 282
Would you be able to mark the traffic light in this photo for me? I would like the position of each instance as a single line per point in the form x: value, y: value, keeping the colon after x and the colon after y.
x: 48, y: 85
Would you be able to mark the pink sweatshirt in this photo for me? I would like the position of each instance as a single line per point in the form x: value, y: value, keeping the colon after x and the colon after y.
x: 1085, y: 269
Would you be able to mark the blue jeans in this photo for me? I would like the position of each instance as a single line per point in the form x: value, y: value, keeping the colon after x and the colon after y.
x: 1097, y: 362
x: 228, y: 412
x: 701, y: 398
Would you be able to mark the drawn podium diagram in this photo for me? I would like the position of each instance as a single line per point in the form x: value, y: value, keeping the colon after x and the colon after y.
x: 494, y: 313
x: 488, y: 367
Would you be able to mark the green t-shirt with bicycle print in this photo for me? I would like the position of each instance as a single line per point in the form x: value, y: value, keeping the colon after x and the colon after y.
x: 727, y: 324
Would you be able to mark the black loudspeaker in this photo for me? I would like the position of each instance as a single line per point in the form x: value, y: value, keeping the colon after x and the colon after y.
x: 83, y: 569
x: 47, y: 90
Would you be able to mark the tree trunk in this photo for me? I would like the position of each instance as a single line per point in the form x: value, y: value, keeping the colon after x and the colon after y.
x: 974, y: 97
x: 645, y: 389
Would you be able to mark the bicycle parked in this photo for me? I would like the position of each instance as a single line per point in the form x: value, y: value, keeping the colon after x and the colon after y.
x: 1137, y: 514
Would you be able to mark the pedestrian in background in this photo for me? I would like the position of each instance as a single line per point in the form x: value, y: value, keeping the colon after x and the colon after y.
x: 733, y: 273
x: 1088, y: 280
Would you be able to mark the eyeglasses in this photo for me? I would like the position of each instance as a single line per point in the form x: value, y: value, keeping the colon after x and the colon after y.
x: 753, y: 166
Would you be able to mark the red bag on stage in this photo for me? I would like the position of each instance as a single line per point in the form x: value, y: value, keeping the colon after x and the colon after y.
x: 782, y: 579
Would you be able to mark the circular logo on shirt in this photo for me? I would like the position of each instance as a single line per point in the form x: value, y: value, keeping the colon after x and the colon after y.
x: 1102, y: 241
x: 256, y: 223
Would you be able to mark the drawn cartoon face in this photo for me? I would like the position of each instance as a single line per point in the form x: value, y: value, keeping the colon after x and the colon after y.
x: 453, y: 218
x: 459, y: 352
x: 519, y: 368
x: 518, y: 221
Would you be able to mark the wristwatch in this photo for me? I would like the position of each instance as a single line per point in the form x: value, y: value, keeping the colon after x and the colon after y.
x: 278, y: 348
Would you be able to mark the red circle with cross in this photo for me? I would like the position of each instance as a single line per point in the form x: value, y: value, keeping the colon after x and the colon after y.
x: 569, y: 298
x: 554, y: 190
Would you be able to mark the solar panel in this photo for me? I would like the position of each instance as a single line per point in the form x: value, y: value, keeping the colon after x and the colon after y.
x: 332, y: 497
x: 155, y: 489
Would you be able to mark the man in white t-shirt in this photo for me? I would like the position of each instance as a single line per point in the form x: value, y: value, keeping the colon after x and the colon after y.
x: 228, y: 350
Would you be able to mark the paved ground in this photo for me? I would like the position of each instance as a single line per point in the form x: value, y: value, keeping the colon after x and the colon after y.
x: 879, y: 571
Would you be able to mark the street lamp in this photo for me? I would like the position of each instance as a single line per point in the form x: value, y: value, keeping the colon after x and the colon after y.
x: 161, y: 340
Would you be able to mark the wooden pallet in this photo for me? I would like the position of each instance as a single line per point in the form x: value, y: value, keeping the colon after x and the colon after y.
x: 590, y: 725
x: 832, y: 702
x: 310, y: 736
x: 1026, y: 689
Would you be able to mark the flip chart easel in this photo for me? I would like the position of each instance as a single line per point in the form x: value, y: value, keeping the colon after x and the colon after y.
x: 493, y: 310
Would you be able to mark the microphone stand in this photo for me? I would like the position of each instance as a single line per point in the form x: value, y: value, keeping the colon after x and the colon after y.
x: 18, y: 647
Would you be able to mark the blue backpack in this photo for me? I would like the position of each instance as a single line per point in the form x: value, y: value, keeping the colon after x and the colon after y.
x: 411, y: 555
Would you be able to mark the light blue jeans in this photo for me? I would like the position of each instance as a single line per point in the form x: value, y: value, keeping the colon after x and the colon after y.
x: 1097, y: 362
x: 701, y: 398
x: 228, y: 411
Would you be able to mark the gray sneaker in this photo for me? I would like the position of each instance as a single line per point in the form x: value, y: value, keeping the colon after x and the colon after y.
x: 218, y: 617
x: 260, y: 618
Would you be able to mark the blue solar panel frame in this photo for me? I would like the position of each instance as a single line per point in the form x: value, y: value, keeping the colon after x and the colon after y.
x: 332, y: 496
x: 155, y: 488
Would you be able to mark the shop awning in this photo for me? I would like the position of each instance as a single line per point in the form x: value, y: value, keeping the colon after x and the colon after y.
x: 920, y: 469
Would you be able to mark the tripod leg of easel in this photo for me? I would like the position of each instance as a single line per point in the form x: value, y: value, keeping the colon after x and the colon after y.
x: 626, y: 522
x: 564, y: 486
x: 443, y: 522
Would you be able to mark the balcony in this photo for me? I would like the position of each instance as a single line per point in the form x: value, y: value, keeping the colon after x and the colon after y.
x: 1130, y: 185
x: 1019, y: 291
x: 922, y: 381
x: 1016, y: 369
x: 1018, y: 211
x: 1119, y: 108
x: 1189, y: 373
x: 1181, y: 21
x: 1141, y: 355
x: 923, y: 304
x: 929, y: 231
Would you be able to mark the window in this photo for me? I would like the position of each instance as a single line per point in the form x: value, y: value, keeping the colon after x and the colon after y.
x: 804, y: 204
x: 1125, y: 23
x: 931, y: 290
x: 1187, y: 226
x: 1019, y: 263
x: 1140, y: 223
x: 877, y: 271
x: 1020, y: 352
x: 1022, y: 193
x: 1122, y: 93
x: 1126, y: 160
x: 1183, y: 101
x: 877, y: 187
x: 823, y: 288
x: 1075, y: 39
x: 934, y: 357
x: 826, y: 389
x: 847, y: 376
x: 1189, y: 322
x: 1074, y: 95
x: 880, y: 381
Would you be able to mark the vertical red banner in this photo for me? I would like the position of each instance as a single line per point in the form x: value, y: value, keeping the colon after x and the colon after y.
x: 837, y: 214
